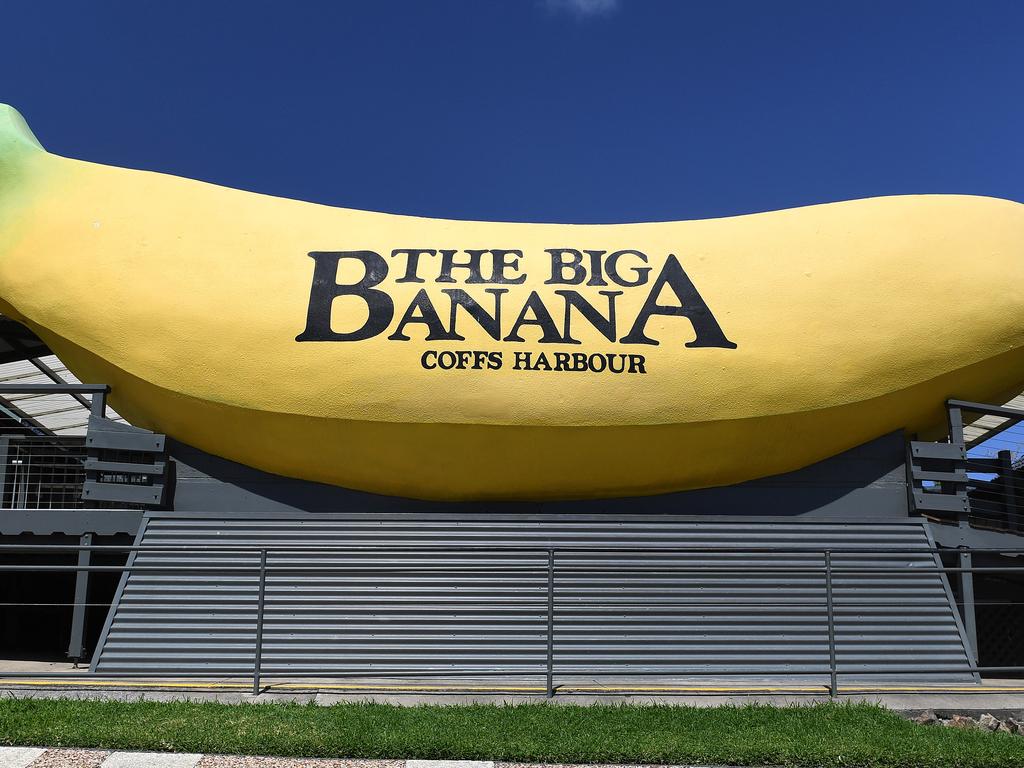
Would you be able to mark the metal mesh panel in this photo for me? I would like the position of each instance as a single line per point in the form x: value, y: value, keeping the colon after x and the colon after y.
x: 42, y: 472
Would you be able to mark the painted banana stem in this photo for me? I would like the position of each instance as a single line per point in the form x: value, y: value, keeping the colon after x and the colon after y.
x: 454, y: 360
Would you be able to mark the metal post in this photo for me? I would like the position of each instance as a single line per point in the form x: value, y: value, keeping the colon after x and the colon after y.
x: 967, y: 598
x: 956, y: 424
x: 912, y: 484
x: 1009, y: 487
x: 19, y: 491
x: 5, y: 468
x: 551, y: 625
x: 956, y: 437
x: 833, y: 678
x: 76, y: 646
x: 257, y: 662
x: 99, y: 405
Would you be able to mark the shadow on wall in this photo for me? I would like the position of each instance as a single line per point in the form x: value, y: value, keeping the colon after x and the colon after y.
x: 865, y: 483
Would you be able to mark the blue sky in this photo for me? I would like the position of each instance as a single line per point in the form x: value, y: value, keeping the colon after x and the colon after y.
x: 542, y: 110
x: 535, y: 110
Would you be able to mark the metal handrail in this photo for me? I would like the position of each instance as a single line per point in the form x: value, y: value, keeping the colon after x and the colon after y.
x: 546, y: 568
x: 98, y: 406
x: 491, y: 567
x: 462, y: 546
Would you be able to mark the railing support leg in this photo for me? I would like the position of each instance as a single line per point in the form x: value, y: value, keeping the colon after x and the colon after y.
x: 76, y: 646
x: 833, y: 689
x: 551, y: 625
x: 1009, y: 483
x: 967, y: 597
x: 260, y: 601
x: 99, y: 404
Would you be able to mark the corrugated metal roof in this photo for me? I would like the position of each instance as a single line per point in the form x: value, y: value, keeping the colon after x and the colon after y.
x: 59, y: 414
x: 987, y: 427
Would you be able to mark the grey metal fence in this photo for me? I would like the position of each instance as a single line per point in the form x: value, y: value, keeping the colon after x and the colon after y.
x: 829, y: 601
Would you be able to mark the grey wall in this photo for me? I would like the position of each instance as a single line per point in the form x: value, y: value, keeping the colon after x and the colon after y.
x: 865, y: 483
x: 677, y: 597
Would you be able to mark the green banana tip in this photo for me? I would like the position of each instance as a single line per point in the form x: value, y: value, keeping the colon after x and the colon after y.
x: 14, y: 131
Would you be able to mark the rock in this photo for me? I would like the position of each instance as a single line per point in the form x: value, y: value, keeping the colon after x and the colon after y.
x: 962, y: 721
x: 1015, y: 726
x: 927, y: 717
x: 1004, y: 728
x: 988, y: 722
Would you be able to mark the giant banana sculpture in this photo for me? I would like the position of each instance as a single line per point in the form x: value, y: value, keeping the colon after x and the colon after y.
x: 454, y: 360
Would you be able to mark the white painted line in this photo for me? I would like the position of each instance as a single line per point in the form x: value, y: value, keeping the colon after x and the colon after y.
x: 18, y: 757
x: 448, y: 764
x: 150, y: 760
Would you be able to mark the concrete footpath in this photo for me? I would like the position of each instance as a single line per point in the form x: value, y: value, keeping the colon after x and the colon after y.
x: 32, y: 757
x: 36, y: 757
x: 50, y: 679
x: 967, y: 700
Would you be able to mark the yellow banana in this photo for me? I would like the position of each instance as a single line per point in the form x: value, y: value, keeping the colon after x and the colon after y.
x: 454, y: 360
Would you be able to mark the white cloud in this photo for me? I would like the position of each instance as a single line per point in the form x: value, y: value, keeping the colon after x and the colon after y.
x: 582, y: 8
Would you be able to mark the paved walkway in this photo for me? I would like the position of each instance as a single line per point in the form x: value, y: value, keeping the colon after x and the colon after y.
x: 35, y: 757
x: 60, y: 679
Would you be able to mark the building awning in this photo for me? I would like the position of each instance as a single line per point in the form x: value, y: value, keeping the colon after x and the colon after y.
x: 985, y: 428
x: 55, y: 414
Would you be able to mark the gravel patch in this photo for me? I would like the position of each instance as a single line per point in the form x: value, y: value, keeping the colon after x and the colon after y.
x: 70, y: 758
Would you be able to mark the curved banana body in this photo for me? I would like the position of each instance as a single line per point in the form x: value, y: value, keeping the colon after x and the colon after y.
x: 454, y: 360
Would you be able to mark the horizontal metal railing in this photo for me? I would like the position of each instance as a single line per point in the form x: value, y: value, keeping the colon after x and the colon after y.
x: 548, y: 563
x: 99, y: 392
x: 946, y: 488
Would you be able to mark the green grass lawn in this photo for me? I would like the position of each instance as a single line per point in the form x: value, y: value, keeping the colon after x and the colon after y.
x: 827, y: 735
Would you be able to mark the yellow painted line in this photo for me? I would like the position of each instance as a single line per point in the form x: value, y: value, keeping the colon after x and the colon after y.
x: 899, y: 689
x: 120, y: 684
x: 278, y: 686
x: 344, y: 687
x: 689, y: 689
x: 768, y: 689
